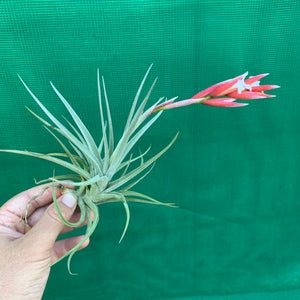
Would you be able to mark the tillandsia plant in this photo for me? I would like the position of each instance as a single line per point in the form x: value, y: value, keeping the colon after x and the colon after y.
x: 103, y: 173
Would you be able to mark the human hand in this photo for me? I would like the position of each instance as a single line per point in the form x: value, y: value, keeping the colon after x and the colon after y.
x: 28, y: 250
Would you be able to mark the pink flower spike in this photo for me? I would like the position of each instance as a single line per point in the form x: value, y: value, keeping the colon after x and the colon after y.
x: 226, y: 103
x: 221, y: 99
x: 233, y: 89
x: 205, y: 92
x: 227, y: 86
x: 261, y: 88
x: 249, y: 95
x: 253, y: 79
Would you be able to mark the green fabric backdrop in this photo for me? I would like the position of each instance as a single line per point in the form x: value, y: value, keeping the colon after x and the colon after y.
x: 234, y: 173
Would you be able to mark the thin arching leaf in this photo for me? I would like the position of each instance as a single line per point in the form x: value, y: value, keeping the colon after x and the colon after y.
x: 119, y: 182
x: 64, y: 131
x: 60, y: 178
x: 110, y: 125
x: 76, y: 131
x: 85, y: 133
x: 105, y: 142
x: 138, y: 135
x: 123, y: 199
x: 131, y: 160
x: 129, y: 130
x: 136, y: 98
x: 52, y: 159
x: 138, y: 180
x: 68, y: 153
x: 81, y: 183
x: 114, y: 165
x: 150, y: 202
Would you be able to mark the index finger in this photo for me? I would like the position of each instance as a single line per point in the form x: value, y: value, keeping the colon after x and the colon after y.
x: 43, y: 193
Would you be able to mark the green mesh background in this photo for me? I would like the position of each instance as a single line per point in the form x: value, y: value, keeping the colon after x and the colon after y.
x: 234, y: 173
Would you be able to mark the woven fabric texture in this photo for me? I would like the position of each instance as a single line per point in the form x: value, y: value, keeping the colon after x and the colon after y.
x: 233, y: 172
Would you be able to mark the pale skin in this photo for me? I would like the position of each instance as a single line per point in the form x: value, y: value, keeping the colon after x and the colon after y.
x: 28, y: 250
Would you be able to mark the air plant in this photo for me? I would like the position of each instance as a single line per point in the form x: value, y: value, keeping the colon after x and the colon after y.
x: 103, y: 172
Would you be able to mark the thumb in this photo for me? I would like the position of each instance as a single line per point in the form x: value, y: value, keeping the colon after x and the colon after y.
x: 46, y: 231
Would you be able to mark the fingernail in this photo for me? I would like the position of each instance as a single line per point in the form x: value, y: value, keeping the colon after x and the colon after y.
x: 69, y: 200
